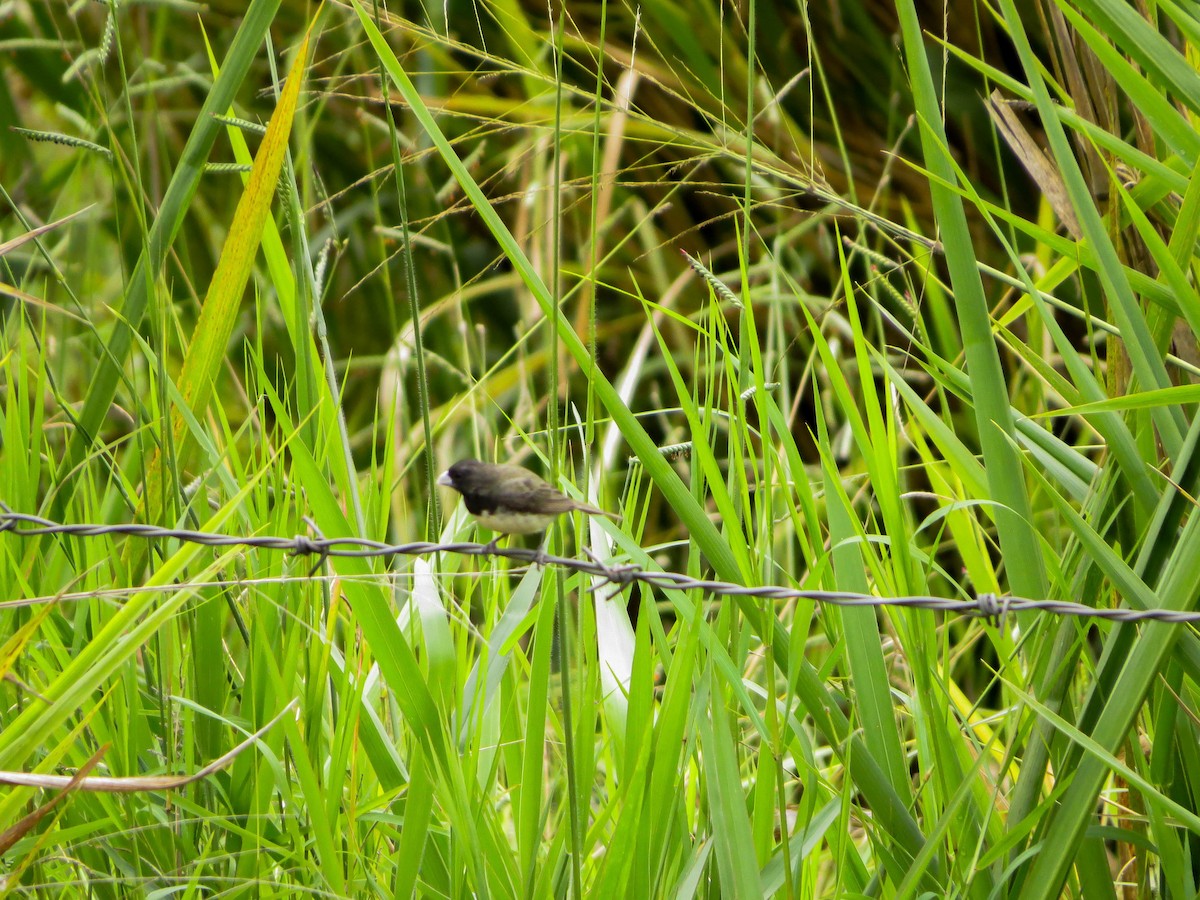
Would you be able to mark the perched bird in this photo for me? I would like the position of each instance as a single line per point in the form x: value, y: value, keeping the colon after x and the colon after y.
x: 510, y: 499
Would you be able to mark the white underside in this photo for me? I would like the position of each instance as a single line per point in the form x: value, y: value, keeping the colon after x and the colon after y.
x: 514, y: 523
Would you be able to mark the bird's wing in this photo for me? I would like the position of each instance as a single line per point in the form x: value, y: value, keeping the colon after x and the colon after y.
x: 529, y: 493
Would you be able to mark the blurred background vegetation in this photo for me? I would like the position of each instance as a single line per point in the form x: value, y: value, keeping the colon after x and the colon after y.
x: 832, y: 116
x: 884, y: 298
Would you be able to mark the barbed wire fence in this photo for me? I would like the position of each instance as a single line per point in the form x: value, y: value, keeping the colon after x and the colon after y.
x: 617, y: 575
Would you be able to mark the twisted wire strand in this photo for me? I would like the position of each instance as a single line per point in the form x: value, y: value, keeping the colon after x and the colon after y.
x: 618, y: 575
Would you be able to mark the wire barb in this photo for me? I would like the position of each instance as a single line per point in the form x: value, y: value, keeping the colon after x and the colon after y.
x: 994, y: 609
x: 319, y: 547
x: 619, y: 576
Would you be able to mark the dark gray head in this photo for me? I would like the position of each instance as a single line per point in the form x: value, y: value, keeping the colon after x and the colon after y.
x: 464, y: 475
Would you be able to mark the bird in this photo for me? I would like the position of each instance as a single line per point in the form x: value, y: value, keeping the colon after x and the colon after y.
x: 510, y: 499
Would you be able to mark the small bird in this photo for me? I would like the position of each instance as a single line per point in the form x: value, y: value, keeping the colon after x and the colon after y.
x: 510, y: 499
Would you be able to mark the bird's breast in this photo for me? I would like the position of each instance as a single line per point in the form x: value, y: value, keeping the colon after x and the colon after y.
x: 513, y: 522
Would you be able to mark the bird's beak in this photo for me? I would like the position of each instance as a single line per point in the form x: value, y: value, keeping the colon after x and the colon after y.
x: 444, y: 479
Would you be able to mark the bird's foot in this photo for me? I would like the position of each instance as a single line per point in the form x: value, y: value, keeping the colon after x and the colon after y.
x: 541, y: 559
x: 491, y: 547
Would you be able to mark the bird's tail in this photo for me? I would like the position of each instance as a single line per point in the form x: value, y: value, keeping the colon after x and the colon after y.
x: 595, y: 511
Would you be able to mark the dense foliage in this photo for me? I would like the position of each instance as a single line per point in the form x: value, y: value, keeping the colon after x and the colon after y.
x: 896, y: 300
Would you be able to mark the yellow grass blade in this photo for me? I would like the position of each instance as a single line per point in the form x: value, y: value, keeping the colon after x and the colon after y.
x: 207, y: 350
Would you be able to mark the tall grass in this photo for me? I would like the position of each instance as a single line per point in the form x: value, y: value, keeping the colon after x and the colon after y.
x: 933, y: 331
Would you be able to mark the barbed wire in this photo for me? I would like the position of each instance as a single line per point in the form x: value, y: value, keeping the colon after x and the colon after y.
x: 619, y: 575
